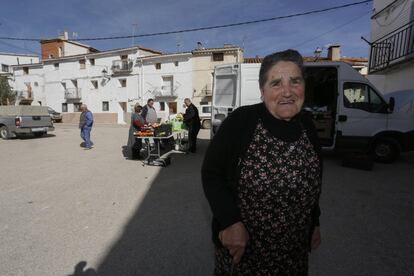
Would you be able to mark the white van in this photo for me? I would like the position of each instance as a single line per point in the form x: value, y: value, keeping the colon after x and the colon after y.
x: 348, y: 112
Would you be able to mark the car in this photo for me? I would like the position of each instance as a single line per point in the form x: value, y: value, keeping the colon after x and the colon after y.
x: 56, y: 116
x: 204, y: 112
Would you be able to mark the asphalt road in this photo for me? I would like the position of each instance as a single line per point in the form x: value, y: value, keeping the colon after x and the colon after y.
x: 68, y: 211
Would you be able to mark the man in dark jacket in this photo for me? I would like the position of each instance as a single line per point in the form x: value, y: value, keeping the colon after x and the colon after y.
x: 192, y: 121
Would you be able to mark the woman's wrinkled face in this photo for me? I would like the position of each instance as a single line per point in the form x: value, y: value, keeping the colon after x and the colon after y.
x: 284, y: 90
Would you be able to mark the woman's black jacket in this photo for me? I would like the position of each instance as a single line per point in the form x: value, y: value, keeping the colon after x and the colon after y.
x: 220, y: 170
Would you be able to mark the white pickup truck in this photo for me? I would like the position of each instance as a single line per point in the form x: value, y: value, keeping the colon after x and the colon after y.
x: 24, y: 119
x: 348, y: 112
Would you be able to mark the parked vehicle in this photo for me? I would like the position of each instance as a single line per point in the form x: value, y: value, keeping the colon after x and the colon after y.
x: 348, y: 112
x: 24, y: 119
x: 204, y: 112
x: 56, y: 116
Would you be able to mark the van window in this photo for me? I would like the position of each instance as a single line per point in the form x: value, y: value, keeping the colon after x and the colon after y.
x: 206, y: 109
x: 361, y: 96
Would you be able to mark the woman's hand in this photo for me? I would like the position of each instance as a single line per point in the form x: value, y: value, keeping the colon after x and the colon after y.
x: 235, y: 238
x: 316, y: 238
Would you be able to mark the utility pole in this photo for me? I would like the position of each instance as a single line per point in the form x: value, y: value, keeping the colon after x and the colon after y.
x: 134, y: 27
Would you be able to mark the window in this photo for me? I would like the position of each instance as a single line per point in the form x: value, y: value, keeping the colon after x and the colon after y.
x: 123, y: 82
x: 60, y: 52
x: 218, y: 56
x: 76, y: 107
x: 361, y: 96
x: 36, y: 83
x: 64, y: 107
x: 124, y: 57
x: 4, y: 68
x: 105, y: 106
x: 94, y: 84
x: 92, y: 61
x: 176, y: 63
x: 56, y: 65
x: 82, y: 64
x: 206, y: 109
x: 158, y: 66
x: 173, y: 107
x: 162, y: 106
x: 25, y: 70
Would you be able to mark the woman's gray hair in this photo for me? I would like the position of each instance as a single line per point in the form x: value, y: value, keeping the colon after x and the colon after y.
x: 272, y: 59
x: 137, y: 108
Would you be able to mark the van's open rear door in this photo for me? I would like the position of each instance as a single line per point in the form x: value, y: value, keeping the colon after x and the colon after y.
x: 225, y: 93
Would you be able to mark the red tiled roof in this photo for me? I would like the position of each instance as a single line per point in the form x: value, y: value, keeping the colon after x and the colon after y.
x: 349, y: 60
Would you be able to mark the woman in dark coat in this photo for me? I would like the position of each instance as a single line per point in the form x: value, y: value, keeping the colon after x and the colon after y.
x: 137, y: 121
x: 262, y: 177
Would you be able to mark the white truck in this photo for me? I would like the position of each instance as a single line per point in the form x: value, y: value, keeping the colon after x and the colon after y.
x: 204, y: 112
x: 348, y: 112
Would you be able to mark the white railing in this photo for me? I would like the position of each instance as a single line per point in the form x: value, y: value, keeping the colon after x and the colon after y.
x: 72, y: 93
x: 122, y: 66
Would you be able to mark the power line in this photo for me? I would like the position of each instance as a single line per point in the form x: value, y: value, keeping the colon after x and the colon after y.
x: 332, y: 30
x: 204, y: 28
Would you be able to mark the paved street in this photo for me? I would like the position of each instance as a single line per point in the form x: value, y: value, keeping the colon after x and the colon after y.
x: 68, y: 211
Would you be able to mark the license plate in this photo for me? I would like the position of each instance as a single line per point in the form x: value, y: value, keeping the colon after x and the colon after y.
x: 38, y: 129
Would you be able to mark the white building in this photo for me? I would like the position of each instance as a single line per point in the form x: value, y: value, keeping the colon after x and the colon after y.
x: 168, y: 80
x: 107, y: 82
x: 9, y: 59
x: 391, y: 64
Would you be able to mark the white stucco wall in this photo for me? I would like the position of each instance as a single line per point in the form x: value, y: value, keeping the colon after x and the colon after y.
x: 401, y: 78
x: 36, y: 80
x: 152, y: 80
x: 71, y: 49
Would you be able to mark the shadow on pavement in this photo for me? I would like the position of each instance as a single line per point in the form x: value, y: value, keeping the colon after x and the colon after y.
x: 169, y: 234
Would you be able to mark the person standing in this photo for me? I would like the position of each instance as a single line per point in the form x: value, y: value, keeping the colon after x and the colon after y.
x: 262, y: 176
x: 148, y: 112
x: 85, y: 125
x: 192, y: 121
x: 137, y: 121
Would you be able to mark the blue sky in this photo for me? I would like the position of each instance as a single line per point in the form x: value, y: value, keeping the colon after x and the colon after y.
x: 97, y: 18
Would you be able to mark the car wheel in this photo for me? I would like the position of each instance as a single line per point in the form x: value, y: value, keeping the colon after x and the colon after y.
x: 206, y: 124
x: 386, y: 150
x: 39, y: 134
x: 4, y: 133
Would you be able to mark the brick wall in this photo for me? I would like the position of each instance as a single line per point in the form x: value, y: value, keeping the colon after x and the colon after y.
x: 51, y: 48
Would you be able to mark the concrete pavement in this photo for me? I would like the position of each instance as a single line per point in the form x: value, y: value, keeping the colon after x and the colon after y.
x: 67, y: 211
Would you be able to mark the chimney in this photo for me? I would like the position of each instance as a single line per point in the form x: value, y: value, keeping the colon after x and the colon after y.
x: 227, y: 45
x: 334, y: 52
x: 65, y: 35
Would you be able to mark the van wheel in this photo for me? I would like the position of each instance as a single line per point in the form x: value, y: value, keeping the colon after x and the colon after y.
x: 386, y: 150
x: 4, y: 133
x: 206, y: 124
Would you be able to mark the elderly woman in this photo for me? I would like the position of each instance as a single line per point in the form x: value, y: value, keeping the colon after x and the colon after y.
x: 262, y: 177
x: 137, y: 121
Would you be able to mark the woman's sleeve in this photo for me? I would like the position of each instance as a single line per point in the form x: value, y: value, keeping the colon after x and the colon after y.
x: 217, y: 186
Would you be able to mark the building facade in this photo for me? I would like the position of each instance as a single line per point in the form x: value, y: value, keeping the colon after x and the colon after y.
x: 391, y: 62
x: 204, y: 61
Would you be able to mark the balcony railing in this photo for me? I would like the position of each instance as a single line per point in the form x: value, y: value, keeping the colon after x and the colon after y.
x: 24, y: 95
x: 73, y: 94
x: 122, y: 66
x: 392, y: 49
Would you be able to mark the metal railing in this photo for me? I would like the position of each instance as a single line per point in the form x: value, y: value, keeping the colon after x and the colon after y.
x: 392, y: 49
x: 73, y: 93
x: 24, y: 95
x: 122, y: 66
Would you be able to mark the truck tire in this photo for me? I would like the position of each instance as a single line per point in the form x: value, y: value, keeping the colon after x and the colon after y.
x: 4, y: 133
x: 206, y: 124
x: 39, y: 134
x: 386, y: 150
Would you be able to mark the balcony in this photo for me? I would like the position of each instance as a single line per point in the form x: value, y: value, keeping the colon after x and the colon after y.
x: 122, y: 66
x: 73, y: 94
x: 24, y: 95
x: 395, y: 48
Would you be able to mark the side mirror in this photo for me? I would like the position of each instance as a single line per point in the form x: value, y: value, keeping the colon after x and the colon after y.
x: 391, y: 105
